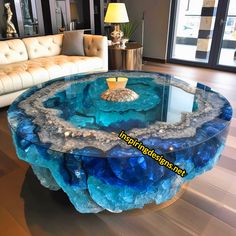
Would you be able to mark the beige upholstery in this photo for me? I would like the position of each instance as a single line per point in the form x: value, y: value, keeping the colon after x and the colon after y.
x: 94, y: 45
x: 17, y: 73
x: 12, y: 51
x: 62, y: 65
x: 45, y: 46
x: 7, y: 99
x: 18, y: 76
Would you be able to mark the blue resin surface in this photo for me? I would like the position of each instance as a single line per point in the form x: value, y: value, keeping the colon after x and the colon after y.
x: 69, y: 136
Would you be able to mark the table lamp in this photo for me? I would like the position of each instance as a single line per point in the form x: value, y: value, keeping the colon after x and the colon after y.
x: 116, y: 14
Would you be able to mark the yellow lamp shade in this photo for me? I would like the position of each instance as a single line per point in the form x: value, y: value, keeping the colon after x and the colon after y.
x: 116, y: 13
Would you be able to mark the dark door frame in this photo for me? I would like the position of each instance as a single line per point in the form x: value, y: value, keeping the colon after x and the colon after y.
x: 217, y: 39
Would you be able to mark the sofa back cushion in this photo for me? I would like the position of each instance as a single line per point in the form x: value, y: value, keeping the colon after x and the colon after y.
x: 11, y: 51
x: 95, y: 45
x: 44, y: 46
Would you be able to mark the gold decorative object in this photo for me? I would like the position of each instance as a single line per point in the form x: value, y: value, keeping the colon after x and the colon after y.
x: 116, y: 14
x: 116, y: 35
x: 11, y: 30
x: 117, y: 91
x: 116, y: 83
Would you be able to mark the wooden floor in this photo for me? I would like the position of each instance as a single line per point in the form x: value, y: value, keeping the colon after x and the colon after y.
x: 208, y: 207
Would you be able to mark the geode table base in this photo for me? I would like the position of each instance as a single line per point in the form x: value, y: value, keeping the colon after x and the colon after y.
x: 69, y: 135
x: 119, y: 95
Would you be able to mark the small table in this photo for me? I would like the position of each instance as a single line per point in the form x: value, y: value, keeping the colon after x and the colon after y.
x: 72, y: 138
x: 125, y: 58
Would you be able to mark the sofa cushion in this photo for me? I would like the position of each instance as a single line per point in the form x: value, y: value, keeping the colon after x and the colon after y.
x: 18, y: 76
x: 96, y: 45
x: 12, y: 51
x: 85, y: 64
x: 22, y: 75
x: 44, y: 46
x: 63, y: 65
x: 73, y: 43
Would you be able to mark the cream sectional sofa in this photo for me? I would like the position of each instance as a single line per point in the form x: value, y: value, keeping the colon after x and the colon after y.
x: 30, y: 61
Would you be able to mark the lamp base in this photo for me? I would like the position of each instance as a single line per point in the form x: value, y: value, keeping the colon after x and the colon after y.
x: 116, y: 35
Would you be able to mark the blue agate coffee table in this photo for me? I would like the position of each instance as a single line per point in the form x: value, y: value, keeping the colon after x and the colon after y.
x: 72, y: 138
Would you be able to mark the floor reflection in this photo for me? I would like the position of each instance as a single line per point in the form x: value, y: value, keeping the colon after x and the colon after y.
x: 51, y: 213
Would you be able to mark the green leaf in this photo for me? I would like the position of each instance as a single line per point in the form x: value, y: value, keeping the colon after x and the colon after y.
x: 129, y: 28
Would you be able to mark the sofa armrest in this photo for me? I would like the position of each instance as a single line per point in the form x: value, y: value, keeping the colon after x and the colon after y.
x: 97, y: 46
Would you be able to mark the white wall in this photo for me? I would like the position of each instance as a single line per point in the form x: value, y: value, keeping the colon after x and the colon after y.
x: 156, y: 25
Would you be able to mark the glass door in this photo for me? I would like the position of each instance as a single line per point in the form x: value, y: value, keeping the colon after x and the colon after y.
x: 227, y: 55
x: 203, y: 33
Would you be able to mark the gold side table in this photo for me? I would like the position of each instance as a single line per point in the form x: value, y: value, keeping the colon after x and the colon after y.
x: 125, y: 58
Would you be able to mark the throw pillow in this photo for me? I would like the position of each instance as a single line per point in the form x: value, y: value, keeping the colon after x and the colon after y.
x: 73, y: 43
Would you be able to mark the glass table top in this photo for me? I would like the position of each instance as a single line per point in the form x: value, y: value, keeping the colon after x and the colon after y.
x: 68, y: 115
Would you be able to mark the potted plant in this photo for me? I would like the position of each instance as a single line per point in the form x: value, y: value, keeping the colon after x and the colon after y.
x: 128, y: 29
